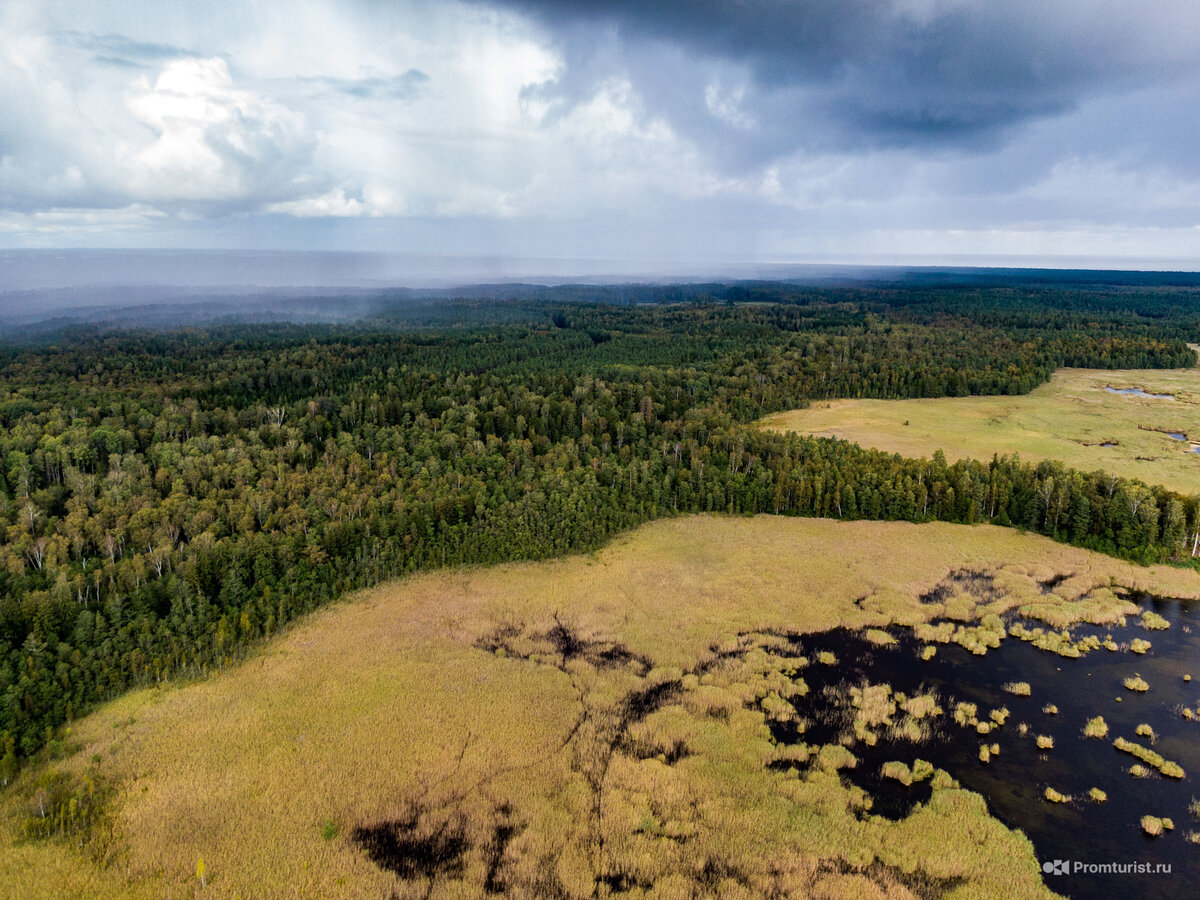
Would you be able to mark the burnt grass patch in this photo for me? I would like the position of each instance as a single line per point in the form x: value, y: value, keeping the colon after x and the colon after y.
x: 416, y: 844
x: 1049, y: 585
x: 979, y: 585
x: 565, y: 642
x: 426, y: 845
x: 920, y: 883
x: 506, y: 827
x: 421, y: 844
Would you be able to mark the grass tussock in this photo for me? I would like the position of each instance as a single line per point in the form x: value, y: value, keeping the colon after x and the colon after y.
x: 965, y: 714
x: 1095, y: 728
x: 1155, y: 825
x: 1150, y: 757
x: 897, y: 771
x: 1136, y: 683
x: 874, y: 704
x: 921, y: 706
x: 1055, y: 797
x: 1018, y: 688
x: 1152, y: 621
x: 879, y: 637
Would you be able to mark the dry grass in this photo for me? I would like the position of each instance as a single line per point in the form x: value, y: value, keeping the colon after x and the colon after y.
x: 1152, y: 621
x: 1068, y: 419
x: 1154, y: 826
x: 385, y: 704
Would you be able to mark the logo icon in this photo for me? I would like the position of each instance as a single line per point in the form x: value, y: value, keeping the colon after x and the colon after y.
x: 1057, y: 867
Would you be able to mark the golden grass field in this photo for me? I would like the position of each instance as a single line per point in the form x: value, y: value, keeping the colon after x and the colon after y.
x: 1068, y: 419
x: 387, y: 707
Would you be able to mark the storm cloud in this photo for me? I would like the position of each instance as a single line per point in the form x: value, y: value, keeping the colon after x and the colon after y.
x: 817, y: 73
x: 757, y: 131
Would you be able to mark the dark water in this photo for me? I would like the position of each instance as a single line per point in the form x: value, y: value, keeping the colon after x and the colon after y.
x: 1014, y: 780
x: 1177, y: 436
x: 1138, y: 392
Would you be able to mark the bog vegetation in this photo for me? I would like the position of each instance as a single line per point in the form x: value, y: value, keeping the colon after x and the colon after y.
x: 597, y: 725
x: 165, y: 499
x: 1078, y: 418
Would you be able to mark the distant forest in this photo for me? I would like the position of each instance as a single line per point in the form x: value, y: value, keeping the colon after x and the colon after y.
x: 168, y: 497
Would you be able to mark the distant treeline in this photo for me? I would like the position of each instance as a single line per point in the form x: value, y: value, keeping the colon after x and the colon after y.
x: 166, y: 498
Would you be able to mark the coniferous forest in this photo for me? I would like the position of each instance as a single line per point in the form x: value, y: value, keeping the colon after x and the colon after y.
x: 168, y: 497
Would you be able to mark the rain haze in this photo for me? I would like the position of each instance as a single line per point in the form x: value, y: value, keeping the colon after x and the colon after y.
x: 488, y: 140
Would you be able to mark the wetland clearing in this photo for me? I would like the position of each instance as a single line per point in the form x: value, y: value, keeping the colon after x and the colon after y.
x: 662, y: 718
x: 1138, y: 423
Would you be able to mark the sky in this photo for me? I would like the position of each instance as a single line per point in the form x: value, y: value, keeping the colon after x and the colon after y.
x: 649, y: 133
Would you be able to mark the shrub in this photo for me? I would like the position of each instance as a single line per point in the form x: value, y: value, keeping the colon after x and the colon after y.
x: 1055, y: 797
x: 1152, y: 621
x: 1154, y: 825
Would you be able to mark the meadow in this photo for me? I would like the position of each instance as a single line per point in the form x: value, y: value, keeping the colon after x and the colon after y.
x: 1073, y: 419
x: 583, y: 726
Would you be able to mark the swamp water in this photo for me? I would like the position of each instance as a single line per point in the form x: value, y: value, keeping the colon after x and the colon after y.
x: 895, y: 713
x: 1178, y: 436
x: 1138, y: 392
x: 1014, y: 780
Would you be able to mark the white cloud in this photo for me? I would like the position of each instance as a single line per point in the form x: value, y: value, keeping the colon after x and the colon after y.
x: 349, y: 118
x: 214, y: 141
x: 55, y: 222
x: 335, y: 204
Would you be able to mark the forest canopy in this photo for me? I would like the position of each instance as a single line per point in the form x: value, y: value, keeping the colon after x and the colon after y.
x: 167, y: 498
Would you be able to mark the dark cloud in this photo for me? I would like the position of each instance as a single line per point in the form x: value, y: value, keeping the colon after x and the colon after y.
x: 120, y: 51
x: 117, y: 62
x: 824, y: 74
x: 404, y: 86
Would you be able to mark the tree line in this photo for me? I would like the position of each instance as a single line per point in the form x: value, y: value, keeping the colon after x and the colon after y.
x: 167, y: 498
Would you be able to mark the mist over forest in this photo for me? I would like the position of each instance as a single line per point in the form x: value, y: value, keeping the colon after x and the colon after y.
x: 43, y: 292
